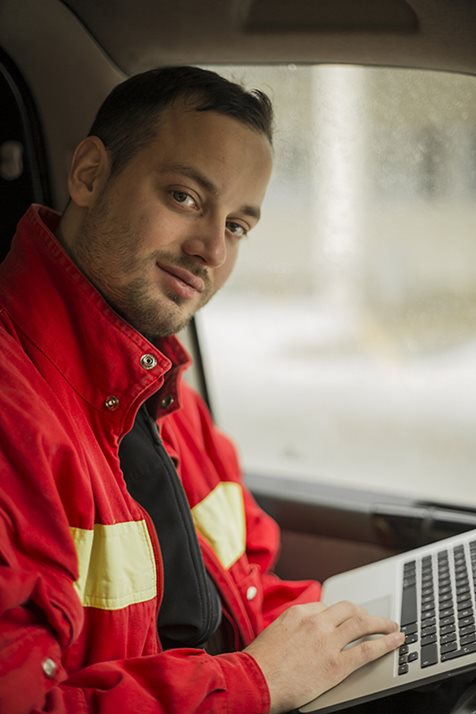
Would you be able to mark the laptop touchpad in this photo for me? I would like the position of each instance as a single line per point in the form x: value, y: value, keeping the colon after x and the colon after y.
x: 381, y: 607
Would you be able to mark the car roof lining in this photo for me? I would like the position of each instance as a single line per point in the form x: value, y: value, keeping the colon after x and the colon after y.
x: 100, y: 43
x: 433, y: 34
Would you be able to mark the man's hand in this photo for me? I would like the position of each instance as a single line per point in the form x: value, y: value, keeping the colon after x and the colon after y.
x: 302, y: 653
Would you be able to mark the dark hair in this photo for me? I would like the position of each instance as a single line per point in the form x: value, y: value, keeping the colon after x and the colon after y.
x: 127, y: 120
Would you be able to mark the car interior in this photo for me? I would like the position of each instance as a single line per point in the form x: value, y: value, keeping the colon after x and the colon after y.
x: 339, y: 357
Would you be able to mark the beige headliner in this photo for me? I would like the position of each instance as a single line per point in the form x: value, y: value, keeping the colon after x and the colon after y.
x: 71, y: 59
x: 421, y: 33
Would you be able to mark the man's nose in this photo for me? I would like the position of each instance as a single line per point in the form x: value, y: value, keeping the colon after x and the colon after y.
x: 209, y: 243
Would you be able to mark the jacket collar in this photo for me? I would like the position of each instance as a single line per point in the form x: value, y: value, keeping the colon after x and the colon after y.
x: 61, y: 312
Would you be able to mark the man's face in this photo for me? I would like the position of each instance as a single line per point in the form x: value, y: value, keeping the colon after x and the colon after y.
x: 162, y: 236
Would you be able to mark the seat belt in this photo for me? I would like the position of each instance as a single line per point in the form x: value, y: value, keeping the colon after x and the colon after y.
x: 191, y: 609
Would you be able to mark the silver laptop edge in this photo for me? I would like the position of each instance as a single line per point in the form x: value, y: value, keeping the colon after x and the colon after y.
x: 378, y: 587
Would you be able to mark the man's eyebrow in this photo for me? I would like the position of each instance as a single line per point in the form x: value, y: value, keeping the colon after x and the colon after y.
x: 192, y: 173
x: 209, y: 186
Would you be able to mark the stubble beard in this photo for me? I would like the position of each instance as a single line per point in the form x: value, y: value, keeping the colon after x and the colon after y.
x: 153, y: 317
x: 106, y: 249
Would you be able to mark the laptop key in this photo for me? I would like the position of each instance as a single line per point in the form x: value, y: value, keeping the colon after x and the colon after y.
x: 447, y: 620
x: 467, y: 649
x: 445, y: 597
x: 450, y: 637
x: 448, y: 647
x: 446, y: 629
x: 429, y: 655
x: 409, y: 605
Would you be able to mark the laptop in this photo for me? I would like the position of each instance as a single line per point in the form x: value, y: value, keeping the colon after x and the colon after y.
x: 430, y: 591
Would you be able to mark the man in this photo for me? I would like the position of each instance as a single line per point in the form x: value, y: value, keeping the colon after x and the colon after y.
x: 135, y: 567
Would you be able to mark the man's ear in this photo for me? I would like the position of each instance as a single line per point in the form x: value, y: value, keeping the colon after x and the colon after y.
x: 89, y: 171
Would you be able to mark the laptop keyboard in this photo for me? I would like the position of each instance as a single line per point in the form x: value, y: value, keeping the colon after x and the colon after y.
x: 438, y: 615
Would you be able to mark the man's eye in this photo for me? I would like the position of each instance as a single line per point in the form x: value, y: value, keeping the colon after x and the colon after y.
x: 185, y: 199
x: 236, y: 229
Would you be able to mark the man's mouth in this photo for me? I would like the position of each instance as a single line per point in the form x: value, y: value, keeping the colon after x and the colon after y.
x: 184, y: 281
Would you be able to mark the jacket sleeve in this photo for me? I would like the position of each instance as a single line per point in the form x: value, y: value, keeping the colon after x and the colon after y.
x: 186, y: 681
x: 41, y: 616
x: 32, y: 679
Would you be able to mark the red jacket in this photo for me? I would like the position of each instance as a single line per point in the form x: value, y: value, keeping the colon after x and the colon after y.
x: 80, y: 564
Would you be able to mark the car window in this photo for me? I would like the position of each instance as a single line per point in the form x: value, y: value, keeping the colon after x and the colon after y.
x: 343, y: 348
x: 23, y: 165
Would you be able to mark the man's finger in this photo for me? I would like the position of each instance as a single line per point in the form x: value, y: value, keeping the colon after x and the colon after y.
x: 361, y: 624
x: 371, y: 649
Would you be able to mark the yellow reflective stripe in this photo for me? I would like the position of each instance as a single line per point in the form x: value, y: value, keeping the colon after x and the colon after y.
x: 116, y: 565
x: 220, y: 518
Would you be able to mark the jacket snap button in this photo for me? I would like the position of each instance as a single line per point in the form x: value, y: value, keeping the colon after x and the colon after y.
x: 251, y: 593
x: 167, y: 401
x: 111, y: 402
x: 49, y: 667
x: 148, y: 361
